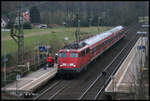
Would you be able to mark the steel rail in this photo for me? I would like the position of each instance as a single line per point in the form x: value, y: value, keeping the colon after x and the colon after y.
x: 104, y: 70
x: 57, y: 92
x: 99, y: 76
x: 46, y: 90
x: 110, y: 77
x: 89, y: 87
x: 50, y: 98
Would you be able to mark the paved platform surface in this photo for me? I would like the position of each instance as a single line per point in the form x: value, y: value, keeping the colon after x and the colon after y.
x: 32, y: 80
x: 127, y: 73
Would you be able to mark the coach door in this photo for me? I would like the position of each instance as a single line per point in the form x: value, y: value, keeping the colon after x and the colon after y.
x: 83, y: 59
x: 93, y: 51
x: 87, y: 54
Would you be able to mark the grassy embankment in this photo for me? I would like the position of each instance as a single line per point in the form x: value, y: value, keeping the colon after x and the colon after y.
x: 53, y: 37
x: 33, y: 37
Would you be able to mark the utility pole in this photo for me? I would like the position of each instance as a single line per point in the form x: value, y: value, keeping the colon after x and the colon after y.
x: 90, y: 20
x: 77, y: 33
x: 19, y: 39
x: 98, y: 22
x: 5, y: 59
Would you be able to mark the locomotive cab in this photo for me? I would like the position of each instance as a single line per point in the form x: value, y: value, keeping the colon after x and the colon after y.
x: 68, y: 60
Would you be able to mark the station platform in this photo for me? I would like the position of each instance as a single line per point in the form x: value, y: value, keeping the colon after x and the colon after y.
x: 32, y: 81
x: 125, y: 79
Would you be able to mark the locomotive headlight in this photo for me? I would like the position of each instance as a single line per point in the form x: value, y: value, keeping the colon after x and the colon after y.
x: 63, y: 64
x: 72, y: 64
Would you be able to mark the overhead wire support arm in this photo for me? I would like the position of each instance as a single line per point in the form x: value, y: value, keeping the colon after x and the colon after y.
x: 14, y: 39
x: 13, y: 35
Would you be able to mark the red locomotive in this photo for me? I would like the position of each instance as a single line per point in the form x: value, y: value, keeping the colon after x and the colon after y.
x: 76, y: 56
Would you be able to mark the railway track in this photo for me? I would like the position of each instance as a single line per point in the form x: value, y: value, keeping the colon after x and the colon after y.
x: 102, y: 80
x: 86, y: 86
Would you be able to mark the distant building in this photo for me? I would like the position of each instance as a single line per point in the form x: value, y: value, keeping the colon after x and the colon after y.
x: 17, y: 20
x: 26, y: 18
x: 4, y: 22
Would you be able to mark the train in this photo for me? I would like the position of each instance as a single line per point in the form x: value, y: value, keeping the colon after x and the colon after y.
x: 75, y: 57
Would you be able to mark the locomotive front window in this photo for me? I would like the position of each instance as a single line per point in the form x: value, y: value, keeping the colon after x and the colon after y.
x: 63, y: 55
x: 73, y: 55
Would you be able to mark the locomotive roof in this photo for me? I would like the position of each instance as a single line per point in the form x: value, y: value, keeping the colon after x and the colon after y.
x: 101, y: 36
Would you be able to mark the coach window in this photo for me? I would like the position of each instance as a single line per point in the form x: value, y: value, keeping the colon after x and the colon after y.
x: 109, y: 40
x: 73, y: 55
x: 83, y: 53
x: 97, y: 47
x: 87, y: 50
x: 92, y: 51
x: 100, y: 46
x: 95, y: 50
x: 106, y: 42
x: 63, y: 55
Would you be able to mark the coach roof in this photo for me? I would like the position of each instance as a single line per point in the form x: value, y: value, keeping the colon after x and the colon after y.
x: 101, y: 36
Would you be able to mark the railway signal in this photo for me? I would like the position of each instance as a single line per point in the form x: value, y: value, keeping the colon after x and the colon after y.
x: 42, y: 48
x: 141, y: 47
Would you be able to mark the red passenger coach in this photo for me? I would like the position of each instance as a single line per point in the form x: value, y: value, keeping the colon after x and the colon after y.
x: 75, y: 57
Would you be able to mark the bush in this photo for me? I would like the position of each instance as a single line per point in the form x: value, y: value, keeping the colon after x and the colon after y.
x: 27, y: 26
x: 9, y: 25
x: 9, y: 57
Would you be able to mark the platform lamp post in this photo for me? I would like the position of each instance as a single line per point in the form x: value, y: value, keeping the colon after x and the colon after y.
x: 78, y: 30
x: 64, y: 23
